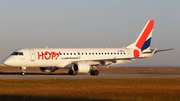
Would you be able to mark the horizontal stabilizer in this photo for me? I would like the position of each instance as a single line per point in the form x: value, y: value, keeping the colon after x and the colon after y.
x: 158, y: 50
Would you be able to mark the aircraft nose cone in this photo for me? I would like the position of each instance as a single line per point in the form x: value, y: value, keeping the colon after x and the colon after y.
x: 8, y: 61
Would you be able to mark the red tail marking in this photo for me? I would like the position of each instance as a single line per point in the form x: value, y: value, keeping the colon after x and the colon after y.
x: 136, y: 53
x: 145, y: 34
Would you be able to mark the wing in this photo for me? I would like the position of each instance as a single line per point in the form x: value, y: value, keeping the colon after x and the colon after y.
x: 106, y: 62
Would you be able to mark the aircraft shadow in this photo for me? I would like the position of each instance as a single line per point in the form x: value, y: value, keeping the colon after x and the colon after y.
x: 18, y: 73
x: 44, y: 98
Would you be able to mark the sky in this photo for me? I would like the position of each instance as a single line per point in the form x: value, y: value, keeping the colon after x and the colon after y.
x: 92, y: 24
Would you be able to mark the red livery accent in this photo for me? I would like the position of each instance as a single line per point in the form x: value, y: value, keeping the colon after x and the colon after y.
x: 145, y: 34
x: 48, y: 55
x: 40, y: 55
x: 58, y: 55
x: 53, y: 54
x: 136, y: 53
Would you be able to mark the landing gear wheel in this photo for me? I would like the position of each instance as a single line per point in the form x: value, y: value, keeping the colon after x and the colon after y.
x: 71, y: 72
x: 94, y: 72
x: 22, y: 70
x: 22, y: 73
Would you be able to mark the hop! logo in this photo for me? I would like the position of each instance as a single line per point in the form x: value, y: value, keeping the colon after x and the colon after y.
x: 48, y: 55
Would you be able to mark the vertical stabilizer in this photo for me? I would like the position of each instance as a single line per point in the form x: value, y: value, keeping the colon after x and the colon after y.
x: 144, y: 39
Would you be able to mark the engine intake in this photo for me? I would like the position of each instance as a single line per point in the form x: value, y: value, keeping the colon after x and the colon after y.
x: 80, y: 67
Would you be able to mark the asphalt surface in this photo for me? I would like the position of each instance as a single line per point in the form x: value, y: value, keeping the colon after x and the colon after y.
x: 85, y: 76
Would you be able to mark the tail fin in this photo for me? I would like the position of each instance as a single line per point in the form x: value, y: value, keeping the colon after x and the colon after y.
x: 144, y: 39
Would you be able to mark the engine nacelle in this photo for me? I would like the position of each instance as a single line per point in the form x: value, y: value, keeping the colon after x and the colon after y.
x: 48, y: 69
x: 81, y: 67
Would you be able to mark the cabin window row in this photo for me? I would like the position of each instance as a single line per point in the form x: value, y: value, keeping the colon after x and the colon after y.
x: 112, y: 53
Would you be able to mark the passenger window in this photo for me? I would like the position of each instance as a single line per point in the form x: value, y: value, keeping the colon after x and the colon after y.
x: 63, y: 53
x: 86, y: 53
x: 96, y: 53
x: 74, y: 53
x: 78, y: 53
x: 92, y: 53
x: 114, y: 53
x: 67, y: 53
x: 70, y: 53
x: 89, y: 53
x: 99, y: 53
x: 82, y: 53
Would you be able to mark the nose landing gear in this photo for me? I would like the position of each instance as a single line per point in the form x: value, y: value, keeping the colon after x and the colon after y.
x: 23, y: 70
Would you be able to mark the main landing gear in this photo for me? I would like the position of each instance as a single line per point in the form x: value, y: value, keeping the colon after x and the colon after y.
x: 94, y: 72
x: 71, y: 72
x: 22, y: 70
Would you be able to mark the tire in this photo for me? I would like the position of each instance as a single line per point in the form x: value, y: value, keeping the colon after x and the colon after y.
x: 92, y: 72
x: 22, y: 73
x: 96, y: 72
x: 71, y: 72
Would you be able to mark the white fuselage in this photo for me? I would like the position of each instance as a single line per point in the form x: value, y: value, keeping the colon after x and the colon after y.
x: 64, y: 57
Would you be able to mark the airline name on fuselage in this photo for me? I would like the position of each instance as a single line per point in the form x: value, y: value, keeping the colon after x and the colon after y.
x: 52, y: 55
x: 48, y: 55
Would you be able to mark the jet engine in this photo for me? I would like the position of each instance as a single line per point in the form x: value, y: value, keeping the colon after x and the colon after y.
x: 48, y: 69
x: 81, y: 67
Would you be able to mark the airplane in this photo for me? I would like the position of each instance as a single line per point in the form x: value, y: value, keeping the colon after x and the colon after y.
x: 83, y: 60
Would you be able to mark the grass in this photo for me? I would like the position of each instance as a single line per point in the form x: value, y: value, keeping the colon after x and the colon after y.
x: 90, y: 90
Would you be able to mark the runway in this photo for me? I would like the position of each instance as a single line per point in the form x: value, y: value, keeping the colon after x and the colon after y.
x: 86, y: 76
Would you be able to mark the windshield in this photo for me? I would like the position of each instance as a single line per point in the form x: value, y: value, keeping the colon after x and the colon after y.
x: 17, y: 53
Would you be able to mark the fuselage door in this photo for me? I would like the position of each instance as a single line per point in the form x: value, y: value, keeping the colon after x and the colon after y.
x: 128, y: 53
x: 32, y: 54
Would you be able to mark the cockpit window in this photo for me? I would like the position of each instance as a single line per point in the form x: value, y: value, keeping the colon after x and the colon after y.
x: 20, y: 53
x: 17, y: 53
x: 14, y: 53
